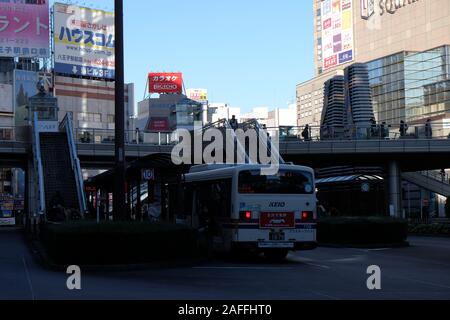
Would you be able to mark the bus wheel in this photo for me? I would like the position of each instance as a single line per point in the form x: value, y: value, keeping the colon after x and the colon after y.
x: 276, y: 255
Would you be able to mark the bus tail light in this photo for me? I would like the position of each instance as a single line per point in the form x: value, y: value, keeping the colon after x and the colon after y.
x: 307, y: 216
x: 245, y: 215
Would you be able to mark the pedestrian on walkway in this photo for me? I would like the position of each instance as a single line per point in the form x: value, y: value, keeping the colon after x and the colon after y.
x: 306, y: 134
x: 428, y: 129
x: 234, y: 123
x: 373, y: 127
x: 403, y: 128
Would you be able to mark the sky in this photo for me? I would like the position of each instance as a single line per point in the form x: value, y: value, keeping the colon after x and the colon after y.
x: 247, y: 53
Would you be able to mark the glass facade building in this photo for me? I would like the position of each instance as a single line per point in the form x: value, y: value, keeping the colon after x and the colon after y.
x: 387, y: 81
x: 427, y: 85
x: 411, y: 86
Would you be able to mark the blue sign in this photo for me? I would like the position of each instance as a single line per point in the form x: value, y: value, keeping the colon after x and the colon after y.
x: 77, y: 70
x: 345, y: 56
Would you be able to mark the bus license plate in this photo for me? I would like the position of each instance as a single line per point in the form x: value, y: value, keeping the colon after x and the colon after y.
x: 277, y: 236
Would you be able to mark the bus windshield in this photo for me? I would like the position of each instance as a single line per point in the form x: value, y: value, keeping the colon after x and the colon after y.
x: 285, y: 182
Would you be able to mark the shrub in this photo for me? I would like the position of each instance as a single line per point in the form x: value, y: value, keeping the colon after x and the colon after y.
x: 430, y: 229
x: 86, y: 243
x: 362, y: 230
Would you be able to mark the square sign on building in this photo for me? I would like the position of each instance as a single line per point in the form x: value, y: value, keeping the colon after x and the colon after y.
x: 24, y: 29
x: 199, y: 95
x: 84, y: 41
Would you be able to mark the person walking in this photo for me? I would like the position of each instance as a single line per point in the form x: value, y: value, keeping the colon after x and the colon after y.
x: 306, y: 133
x: 373, y: 127
x: 428, y: 129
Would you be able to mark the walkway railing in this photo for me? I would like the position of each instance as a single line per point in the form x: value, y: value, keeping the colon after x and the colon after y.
x: 439, y: 131
x: 438, y: 176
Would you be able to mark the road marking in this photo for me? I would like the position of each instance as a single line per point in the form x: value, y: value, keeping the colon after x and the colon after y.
x: 244, y: 268
x: 324, y: 295
x: 373, y: 250
x: 312, y: 263
x: 318, y: 266
x: 30, y: 284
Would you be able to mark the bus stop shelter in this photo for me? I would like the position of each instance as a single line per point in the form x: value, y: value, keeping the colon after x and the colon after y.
x: 148, y: 180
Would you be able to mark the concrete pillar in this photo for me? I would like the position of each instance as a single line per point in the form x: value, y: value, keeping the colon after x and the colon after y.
x: 395, y: 191
x: 138, y: 203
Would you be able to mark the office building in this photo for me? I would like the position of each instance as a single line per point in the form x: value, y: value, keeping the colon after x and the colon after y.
x: 347, y: 31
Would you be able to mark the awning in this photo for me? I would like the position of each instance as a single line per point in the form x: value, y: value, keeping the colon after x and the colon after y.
x: 352, y: 178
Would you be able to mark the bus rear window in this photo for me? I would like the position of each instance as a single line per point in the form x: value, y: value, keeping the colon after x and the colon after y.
x: 285, y: 182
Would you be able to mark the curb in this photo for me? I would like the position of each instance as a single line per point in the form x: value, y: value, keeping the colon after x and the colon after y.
x: 404, y: 244
x: 430, y: 235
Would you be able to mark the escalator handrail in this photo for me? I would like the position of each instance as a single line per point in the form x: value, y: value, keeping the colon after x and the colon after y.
x: 66, y: 125
x: 38, y: 162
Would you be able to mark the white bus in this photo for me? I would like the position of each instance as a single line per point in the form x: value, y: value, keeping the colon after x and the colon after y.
x: 246, y: 210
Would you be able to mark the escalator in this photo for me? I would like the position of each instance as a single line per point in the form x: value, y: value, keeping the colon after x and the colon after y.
x: 242, y: 147
x: 429, y: 181
x: 59, y: 177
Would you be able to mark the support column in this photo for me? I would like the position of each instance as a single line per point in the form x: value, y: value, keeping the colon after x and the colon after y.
x: 138, y: 200
x: 395, y: 190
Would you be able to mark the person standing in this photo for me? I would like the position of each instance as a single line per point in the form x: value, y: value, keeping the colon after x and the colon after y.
x: 428, y: 129
x: 234, y: 123
x: 403, y: 128
x: 373, y: 127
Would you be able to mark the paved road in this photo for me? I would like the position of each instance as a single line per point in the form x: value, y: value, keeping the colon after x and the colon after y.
x: 418, y: 272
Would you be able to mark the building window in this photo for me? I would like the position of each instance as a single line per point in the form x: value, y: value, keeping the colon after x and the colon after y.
x: 90, y: 117
x: 111, y: 118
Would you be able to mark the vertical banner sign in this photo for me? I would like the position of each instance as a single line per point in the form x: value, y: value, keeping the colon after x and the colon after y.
x: 165, y: 82
x: 337, y: 33
x: 84, y: 41
x: 24, y: 28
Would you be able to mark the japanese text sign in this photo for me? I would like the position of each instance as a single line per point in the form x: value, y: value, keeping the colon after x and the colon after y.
x: 84, y: 41
x: 24, y: 28
x: 165, y: 82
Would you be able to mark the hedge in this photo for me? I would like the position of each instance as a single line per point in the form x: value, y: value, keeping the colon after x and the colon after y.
x: 436, y: 229
x: 362, y: 230
x: 87, y: 243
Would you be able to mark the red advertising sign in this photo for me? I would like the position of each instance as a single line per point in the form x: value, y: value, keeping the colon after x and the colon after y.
x: 327, y: 24
x: 165, y: 82
x: 284, y: 220
x: 159, y: 124
x: 330, y: 62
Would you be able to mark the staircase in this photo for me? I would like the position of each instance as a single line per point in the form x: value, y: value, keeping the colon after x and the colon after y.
x: 57, y: 169
x: 430, y: 181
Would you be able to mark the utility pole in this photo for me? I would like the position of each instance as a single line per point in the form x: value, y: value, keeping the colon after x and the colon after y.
x: 119, y: 177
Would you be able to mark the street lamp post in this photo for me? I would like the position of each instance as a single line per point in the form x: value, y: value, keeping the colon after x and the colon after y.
x: 119, y: 183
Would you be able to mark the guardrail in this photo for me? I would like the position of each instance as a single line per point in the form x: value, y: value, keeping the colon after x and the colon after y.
x: 439, y: 131
x: 39, y: 188
x: 438, y: 176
